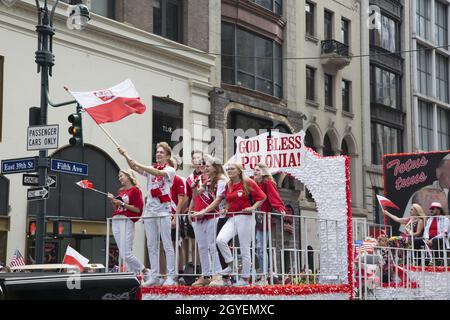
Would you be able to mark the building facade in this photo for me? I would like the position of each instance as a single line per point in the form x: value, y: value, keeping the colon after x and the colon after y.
x: 160, y: 45
x: 329, y: 88
x: 430, y: 75
x: 386, y: 91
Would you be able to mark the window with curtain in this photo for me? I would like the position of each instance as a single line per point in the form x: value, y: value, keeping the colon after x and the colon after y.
x: 441, y: 29
x: 443, y: 129
x: 385, y: 140
x: 385, y: 87
x: 251, y: 61
x: 388, y: 36
x: 425, y: 125
x: 423, y: 18
x: 442, y: 78
x: 424, y: 70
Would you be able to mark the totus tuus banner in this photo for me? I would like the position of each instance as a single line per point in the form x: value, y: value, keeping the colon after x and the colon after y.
x: 420, y: 178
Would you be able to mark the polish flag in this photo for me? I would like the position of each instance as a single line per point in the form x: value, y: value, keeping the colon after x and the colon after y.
x: 74, y: 258
x: 111, y: 105
x: 85, y: 184
x: 385, y: 202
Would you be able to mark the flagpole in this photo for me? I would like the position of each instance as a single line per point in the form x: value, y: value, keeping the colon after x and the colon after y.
x: 101, y: 127
x: 109, y: 136
x: 384, y: 216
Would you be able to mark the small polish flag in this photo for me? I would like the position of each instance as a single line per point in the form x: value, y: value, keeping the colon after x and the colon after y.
x: 111, y: 105
x: 385, y: 202
x: 85, y: 184
x: 74, y: 258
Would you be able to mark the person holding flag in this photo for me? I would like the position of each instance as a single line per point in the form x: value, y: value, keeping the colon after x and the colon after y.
x: 414, y: 225
x: 158, y: 210
x: 128, y: 206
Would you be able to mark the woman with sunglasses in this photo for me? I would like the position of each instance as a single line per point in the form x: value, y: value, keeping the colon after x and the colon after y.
x: 207, y: 199
x: 243, y: 196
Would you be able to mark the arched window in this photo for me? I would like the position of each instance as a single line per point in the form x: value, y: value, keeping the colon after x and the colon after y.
x: 309, y: 140
x: 327, y: 148
x: 344, y: 149
x: 69, y: 200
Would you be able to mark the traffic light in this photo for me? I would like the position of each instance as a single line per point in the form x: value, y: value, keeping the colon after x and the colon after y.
x: 62, y: 228
x: 76, y: 129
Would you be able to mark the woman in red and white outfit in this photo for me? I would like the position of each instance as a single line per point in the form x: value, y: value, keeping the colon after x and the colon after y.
x: 207, y: 198
x: 128, y: 208
x: 272, y: 203
x: 158, y: 210
x: 243, y: 196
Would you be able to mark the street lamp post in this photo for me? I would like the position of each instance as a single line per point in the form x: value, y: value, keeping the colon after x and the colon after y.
x: 45, y: 61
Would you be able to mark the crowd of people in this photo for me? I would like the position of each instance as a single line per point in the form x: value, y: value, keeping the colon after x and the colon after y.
x: 218, y: 203
x: 424, y: 232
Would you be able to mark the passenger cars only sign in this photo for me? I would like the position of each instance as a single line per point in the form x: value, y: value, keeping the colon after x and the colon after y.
x: 42, y: 137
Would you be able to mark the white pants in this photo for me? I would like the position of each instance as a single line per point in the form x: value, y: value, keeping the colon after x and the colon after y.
x: 243, y: 225
x: 205, y: 234
x: 156, y: 228
x: 123, y: 231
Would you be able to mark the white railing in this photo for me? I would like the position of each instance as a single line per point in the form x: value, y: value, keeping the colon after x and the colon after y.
x: 362, y: 229
x: 291, y: 253
x: 404, y: 268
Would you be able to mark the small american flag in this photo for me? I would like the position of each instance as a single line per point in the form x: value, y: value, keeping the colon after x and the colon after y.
x: 366, y: 246
x: 17, y: 259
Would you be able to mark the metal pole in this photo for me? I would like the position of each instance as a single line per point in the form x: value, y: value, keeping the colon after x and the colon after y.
x: 45, y: 61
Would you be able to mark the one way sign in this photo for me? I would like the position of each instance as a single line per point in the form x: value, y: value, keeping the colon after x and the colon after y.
x: 37, y: 193
x: 32, y: 180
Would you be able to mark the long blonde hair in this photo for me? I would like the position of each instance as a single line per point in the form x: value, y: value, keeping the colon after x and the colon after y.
x: 419, y: 210
x: 130, y: 174
x: 220, y: 173
x: 243, y: 178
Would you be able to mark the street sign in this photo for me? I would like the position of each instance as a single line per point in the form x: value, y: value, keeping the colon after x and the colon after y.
x: 19, y: 165
x: 37, y: 193
x: 69, y: 167
x: 42, y: 137
x: 32, y: 180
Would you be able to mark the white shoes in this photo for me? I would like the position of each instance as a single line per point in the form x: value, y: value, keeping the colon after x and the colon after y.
x: 169, y: 282
x: 151, y: 281
x: 241, y: 283
x: 227, y: 271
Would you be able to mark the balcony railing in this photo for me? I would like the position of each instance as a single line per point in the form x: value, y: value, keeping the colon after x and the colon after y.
x: 335, y: 54
x: 333, y: 46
